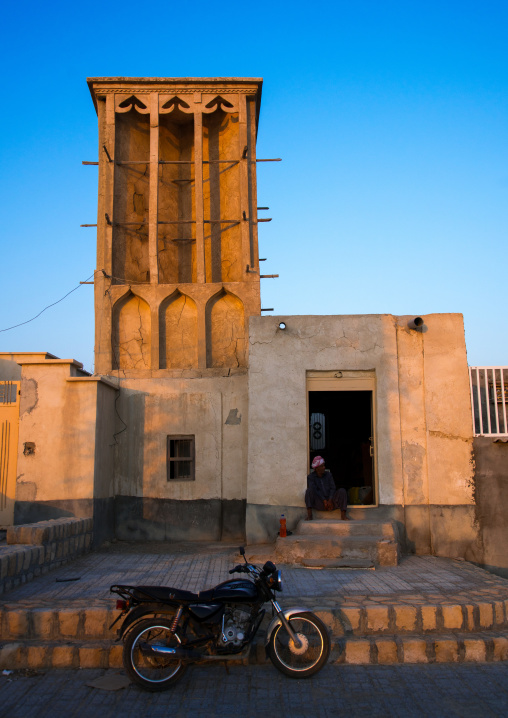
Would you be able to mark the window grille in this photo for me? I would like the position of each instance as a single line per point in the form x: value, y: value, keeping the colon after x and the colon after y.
x: 489, y: 400
x: 180, y: 458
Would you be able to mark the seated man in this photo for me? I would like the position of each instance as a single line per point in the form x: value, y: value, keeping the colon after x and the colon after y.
x: 321, y: 493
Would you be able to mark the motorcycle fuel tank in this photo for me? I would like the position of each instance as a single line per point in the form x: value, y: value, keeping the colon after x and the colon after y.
x: 237, y: 590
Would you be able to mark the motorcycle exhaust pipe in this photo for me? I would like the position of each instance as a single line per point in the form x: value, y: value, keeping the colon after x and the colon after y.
x: 178, y: 653
x: 188, y: 654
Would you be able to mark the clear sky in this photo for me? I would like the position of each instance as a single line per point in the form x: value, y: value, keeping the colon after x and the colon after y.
x: 391, y: 118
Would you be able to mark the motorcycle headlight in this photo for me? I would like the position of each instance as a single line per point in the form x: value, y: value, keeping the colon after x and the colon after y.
x: 275, y: 581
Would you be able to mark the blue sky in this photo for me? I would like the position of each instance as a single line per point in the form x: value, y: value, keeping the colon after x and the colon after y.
x: 391, y: 119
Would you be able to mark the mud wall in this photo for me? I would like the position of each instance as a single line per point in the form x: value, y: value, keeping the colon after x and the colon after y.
x: 491, y: 491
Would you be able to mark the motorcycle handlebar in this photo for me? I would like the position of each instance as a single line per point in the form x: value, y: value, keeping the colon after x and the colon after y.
x: 237, y: 569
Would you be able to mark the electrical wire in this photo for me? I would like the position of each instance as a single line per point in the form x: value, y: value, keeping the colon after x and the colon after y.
x: 7, y: 329
x: 121, y: 279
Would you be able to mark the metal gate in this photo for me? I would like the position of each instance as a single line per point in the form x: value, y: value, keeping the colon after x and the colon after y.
x: 9, y: 420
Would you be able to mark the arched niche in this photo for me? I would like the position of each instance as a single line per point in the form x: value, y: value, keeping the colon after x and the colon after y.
x: 225, y: 331
x: 178, y: 332
x: 131, y: 193
x: 131, y: 333
x: 176, y: 196
x: 221, y: 196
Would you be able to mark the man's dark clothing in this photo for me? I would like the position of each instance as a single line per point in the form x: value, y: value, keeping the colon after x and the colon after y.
x: 323, y: 488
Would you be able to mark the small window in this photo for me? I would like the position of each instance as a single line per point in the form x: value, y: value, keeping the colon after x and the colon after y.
x: 180, y: 458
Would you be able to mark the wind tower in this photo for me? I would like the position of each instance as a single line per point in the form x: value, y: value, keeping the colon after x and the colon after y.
x: 177, y: 243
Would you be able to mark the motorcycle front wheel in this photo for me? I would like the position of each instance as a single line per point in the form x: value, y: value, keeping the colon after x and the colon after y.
x: 310, y: 656
x: 155, y: 672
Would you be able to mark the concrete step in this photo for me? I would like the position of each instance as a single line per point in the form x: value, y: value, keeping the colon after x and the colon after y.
x: 336, y: 527
x: 381, y: 551
x: 396, y: 616
x: 411, y: 648
x: 337, y: 563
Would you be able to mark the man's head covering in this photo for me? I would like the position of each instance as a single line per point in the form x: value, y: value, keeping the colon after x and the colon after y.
x: 318, y: 461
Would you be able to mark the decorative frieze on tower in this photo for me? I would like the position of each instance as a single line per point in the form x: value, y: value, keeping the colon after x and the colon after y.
x: 177, y: 249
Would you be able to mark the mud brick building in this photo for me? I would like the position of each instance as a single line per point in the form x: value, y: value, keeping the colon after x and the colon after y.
x: 203, y: 416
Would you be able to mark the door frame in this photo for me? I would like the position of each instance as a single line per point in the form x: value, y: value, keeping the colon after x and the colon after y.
x: 347, y: 380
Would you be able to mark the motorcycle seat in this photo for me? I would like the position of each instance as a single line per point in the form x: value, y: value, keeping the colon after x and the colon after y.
x: 163, y: 593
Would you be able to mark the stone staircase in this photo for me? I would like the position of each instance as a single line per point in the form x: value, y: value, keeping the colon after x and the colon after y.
x: 332, y: 543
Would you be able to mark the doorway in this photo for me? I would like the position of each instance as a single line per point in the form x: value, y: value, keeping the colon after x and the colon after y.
x: 341, y: 430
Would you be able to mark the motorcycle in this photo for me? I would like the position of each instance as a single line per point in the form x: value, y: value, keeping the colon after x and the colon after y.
x: 165, y: 629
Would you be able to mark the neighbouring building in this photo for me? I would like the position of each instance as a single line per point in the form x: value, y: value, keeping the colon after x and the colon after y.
x: 203, y: 416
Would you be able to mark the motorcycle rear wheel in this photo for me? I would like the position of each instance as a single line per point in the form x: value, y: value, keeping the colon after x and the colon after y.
x: 306, y: 660
x: 152, y: 672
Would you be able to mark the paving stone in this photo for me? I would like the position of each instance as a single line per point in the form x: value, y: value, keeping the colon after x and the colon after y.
x: 500, y: 648
x: 10, y: 656
x: 486, y: 615
x: 475, y: 649
x: 405, y: 619
x: 452, y: 616
x: 64, y: 657
x: 415, y: 651
x: 115, y: 659
x: 37, y: 657
x: 68, y: 620
x: 470, y: 620
x: 43, y: 623
x: 96, y: 622
x: 92, y: 656
x: 357, y: 652
x: 446, y: 650
x: 386, y: 650
x: 499, y: 613
x: 351, y: 618
x: 429, y: 617
x: 17, y: 623
x: 377, y: 618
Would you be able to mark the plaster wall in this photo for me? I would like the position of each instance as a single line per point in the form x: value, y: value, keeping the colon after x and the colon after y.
x: 64, y: 468
x: 423, y: 436
x: 214, y: 410
x: 491, y: 487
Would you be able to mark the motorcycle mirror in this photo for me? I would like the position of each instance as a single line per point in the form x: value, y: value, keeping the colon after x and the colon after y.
x: 241, y: 551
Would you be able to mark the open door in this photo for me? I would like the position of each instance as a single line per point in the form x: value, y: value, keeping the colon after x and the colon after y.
x: 9, y: 420
x: 341, y: 430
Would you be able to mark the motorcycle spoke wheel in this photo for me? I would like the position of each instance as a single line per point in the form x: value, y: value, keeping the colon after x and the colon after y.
x: 153, y: 672
x: 306, y: 659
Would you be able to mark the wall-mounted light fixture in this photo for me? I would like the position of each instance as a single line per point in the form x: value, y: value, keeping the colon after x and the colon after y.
x: 282, y: 325
x: 415, y: 323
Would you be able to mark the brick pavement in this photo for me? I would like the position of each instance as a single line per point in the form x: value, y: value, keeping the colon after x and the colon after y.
x: 427, y: 691
x: 416, y: 579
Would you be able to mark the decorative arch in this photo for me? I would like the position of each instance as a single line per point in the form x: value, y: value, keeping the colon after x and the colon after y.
x: 131, y: 333
x: 225, y: 331
x: 125, y: 105
x: 178, y: 332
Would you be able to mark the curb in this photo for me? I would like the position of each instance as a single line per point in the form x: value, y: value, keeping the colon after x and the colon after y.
x: 379, y: 650
x: 92, y: 623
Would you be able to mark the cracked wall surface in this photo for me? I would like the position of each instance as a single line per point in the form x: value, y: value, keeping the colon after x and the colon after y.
x: 225, y: 327
x: 132, y: 334
x: 178, y: 333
